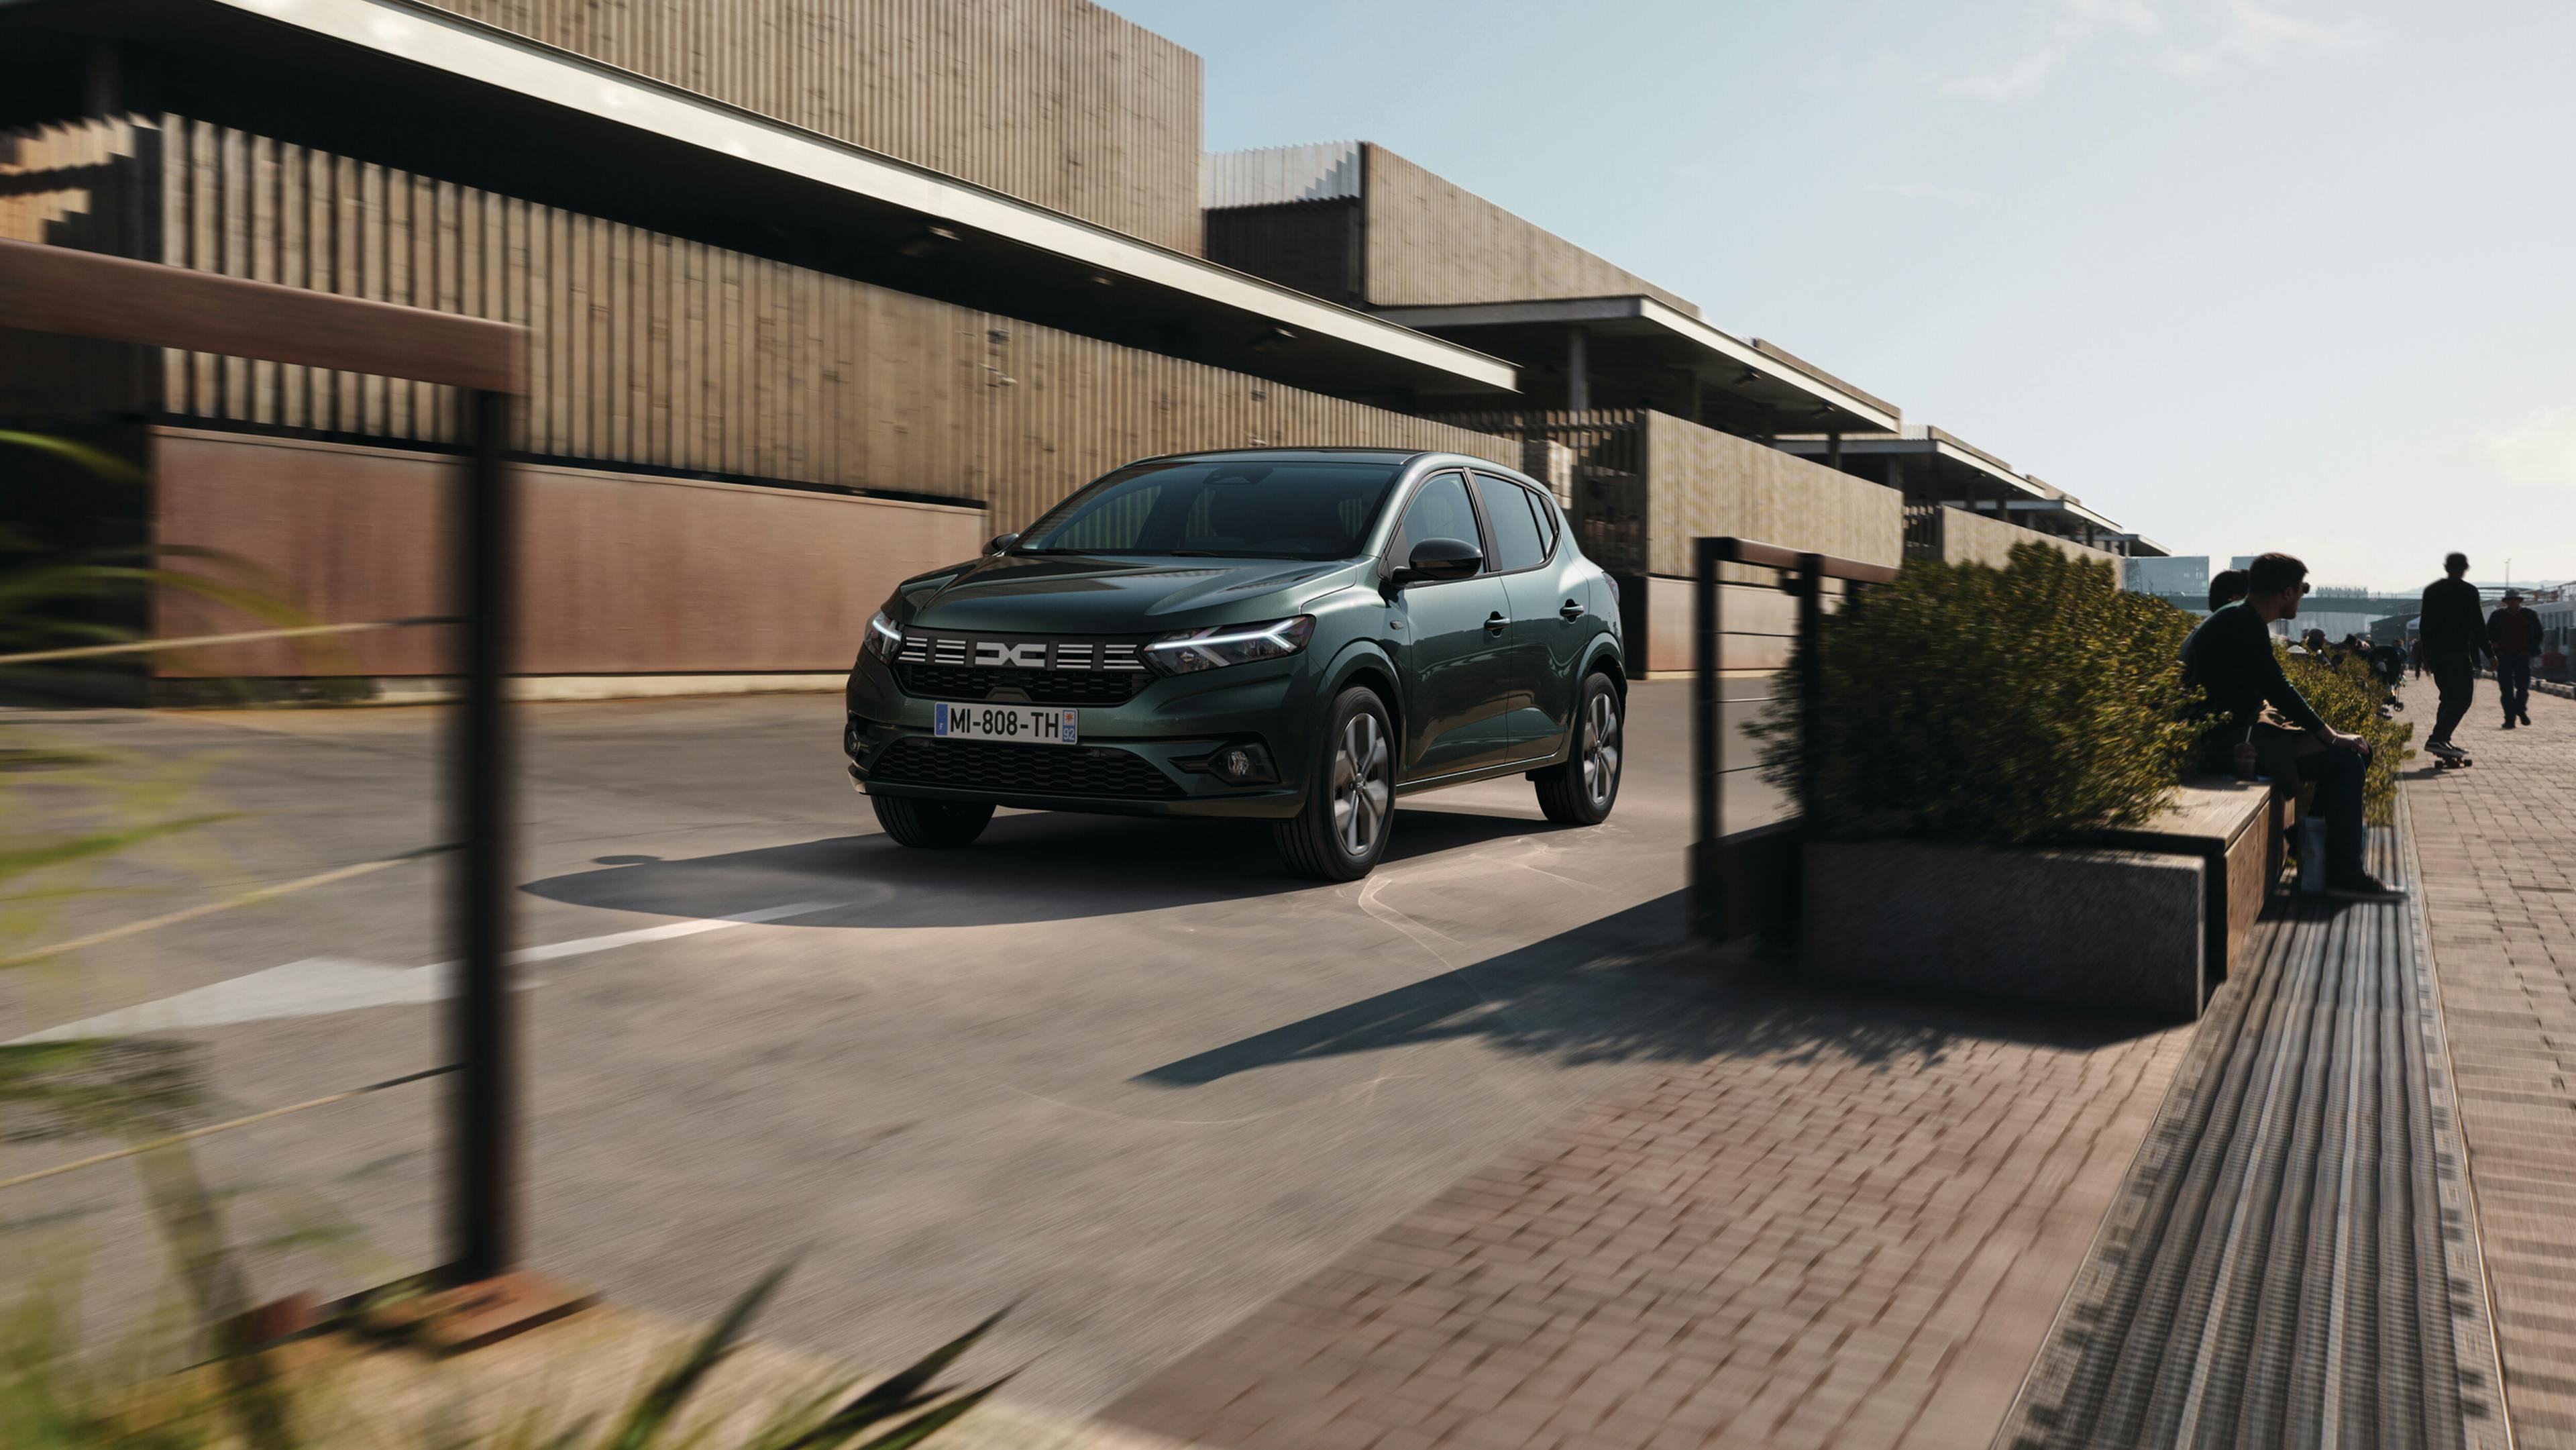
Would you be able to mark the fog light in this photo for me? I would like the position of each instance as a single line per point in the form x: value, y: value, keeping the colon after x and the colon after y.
x: 1242, y: 765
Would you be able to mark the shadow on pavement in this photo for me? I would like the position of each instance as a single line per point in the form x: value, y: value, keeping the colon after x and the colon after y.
x: 1633, y: 987
x: 1035, y: 867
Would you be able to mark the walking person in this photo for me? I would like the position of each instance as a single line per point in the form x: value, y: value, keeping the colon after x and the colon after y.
x: 2455, y: 640
x: 2229, y: 660
x: 2513, y: 636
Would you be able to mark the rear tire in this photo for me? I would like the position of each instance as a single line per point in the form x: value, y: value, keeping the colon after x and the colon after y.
x: 1341, y: 833
x: 1581, y: 791
x: 931, y: 825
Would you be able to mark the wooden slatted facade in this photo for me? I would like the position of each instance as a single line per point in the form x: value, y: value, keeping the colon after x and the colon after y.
x: 1357, y: 224
x: 1058, y: 102
x: 654, y: 351
x: 1432, y: 241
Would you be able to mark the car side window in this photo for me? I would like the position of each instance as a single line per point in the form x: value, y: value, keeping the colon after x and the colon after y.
x: 1550, y: 525
x: 1439, y: 510
x: 1518, y: 544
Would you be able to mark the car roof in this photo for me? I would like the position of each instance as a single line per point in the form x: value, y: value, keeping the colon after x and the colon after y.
x: 1354, y: 453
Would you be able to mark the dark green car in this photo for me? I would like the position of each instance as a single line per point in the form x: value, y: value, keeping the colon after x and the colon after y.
x: 1297, y: 634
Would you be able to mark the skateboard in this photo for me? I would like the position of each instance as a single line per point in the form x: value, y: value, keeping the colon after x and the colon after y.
x: 2453, y: 762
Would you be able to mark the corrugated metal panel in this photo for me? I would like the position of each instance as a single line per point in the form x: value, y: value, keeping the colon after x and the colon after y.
x: 1058, y: 102
x: 650, y: 350
x: 1324, y: 171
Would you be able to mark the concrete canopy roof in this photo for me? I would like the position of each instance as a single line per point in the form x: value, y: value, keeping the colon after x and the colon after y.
x: 378, y: 52
x: 1975, y: 474
x: 1633, y: 332
x: 1953, y: 461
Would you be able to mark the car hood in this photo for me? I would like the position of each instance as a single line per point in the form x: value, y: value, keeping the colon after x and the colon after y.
x: 1094, y: 594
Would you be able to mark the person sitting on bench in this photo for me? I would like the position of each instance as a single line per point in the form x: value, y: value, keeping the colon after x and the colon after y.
x: 2229, y: 660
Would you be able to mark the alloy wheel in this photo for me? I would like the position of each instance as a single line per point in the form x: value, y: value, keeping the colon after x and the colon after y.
x: 1601, y: 749
x: 1361, y: 785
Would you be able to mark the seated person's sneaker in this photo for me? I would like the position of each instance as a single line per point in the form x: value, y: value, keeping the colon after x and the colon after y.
x: 2362, y: 886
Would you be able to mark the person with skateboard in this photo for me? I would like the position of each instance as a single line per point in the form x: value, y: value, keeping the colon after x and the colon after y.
x: 2513, y: 637
x: 2229, y: 660
x: 2455, y: 639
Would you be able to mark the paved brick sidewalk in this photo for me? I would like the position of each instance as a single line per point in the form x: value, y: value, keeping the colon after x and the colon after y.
x: 1849, y: 1226
x: 2497, y: 844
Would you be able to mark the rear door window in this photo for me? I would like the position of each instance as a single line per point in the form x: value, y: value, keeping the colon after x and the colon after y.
x: 1518, y: 542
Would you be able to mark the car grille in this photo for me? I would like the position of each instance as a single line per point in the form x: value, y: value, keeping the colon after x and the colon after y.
x: 991, y: 765
x: 1041, y: 687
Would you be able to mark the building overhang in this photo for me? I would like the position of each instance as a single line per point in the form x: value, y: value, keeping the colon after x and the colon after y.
x: 439, y: 69
x: 1952, y: 461
x: 1662, y: 337
x: 2063, y: 509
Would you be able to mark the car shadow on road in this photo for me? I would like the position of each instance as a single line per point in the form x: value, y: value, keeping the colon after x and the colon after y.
x: 1634, y: 987
x: 1034, y: 867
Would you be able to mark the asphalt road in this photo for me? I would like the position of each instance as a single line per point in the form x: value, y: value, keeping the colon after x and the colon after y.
x: 1126, y: 1072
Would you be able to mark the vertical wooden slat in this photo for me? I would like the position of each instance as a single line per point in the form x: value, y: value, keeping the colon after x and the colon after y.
x: 650, y: 350
x: 1057, y: 101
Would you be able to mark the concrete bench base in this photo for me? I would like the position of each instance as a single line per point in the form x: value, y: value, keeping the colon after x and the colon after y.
x: 2240, y: 831
x: 2106, y: 930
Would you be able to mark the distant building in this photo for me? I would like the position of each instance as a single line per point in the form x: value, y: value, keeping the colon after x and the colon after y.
x: 2182, y: 574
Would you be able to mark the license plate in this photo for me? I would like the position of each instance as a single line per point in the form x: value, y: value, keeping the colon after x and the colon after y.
x: 1006, y: 722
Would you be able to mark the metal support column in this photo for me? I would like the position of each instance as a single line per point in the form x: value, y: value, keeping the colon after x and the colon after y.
x: 483, y: 1137
x: 1834, y: 451
x: 1578, y: 371
x: 1811, y: 677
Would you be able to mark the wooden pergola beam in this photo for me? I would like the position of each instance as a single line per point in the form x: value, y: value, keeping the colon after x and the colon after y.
x: 86, y: 294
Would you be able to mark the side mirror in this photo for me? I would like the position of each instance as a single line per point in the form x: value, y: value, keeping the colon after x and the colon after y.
x: 1434, y: 560
x: 1001, y: 542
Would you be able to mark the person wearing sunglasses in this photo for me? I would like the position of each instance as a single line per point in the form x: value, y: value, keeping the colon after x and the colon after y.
x: 2229, y: 659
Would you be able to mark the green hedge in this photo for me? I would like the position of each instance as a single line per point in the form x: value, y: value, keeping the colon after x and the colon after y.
x: 2348, y: 698
x: 2012, y: 705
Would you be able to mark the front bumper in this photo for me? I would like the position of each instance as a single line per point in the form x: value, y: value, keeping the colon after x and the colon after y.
x: 1142, y: 757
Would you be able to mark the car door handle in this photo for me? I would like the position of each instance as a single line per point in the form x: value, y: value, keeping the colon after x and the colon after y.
x: 1494, y: 622
x: 1570, y: 609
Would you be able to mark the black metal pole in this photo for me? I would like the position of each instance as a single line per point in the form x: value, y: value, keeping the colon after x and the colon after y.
x: 1811, y: 677
x: 483, y: 1134
x: 1708, y: 751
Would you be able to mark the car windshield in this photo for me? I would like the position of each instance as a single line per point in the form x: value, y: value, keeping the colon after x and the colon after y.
x: 1239, y: 507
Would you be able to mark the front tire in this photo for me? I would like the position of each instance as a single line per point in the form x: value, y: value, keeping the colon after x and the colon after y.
x: 931, y: 825
x: 1350, y: 794
x: 1581, y: 791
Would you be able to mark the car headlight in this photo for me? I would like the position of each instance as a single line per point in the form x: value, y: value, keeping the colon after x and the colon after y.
x: 1219, y: 645
x: 884, y: 640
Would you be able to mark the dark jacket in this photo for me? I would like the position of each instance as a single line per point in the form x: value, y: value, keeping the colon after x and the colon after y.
x: 2229, y: 658
x: 2454, y: 624
x: 2517, y: 634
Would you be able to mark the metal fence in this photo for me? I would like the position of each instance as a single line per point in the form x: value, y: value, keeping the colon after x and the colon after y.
x: 1758, y: 628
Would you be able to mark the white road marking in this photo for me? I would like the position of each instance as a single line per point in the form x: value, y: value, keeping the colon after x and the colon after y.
x: 320, y: 986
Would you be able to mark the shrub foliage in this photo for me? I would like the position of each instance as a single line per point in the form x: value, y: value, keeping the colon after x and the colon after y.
x: 2012, y: 705
x: 2348, y: 696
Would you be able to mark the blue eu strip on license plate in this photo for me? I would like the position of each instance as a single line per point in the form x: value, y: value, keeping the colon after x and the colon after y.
x: 1022, y: 723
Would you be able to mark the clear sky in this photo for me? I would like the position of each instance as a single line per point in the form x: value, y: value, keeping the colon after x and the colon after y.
x: 2243, y: 274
